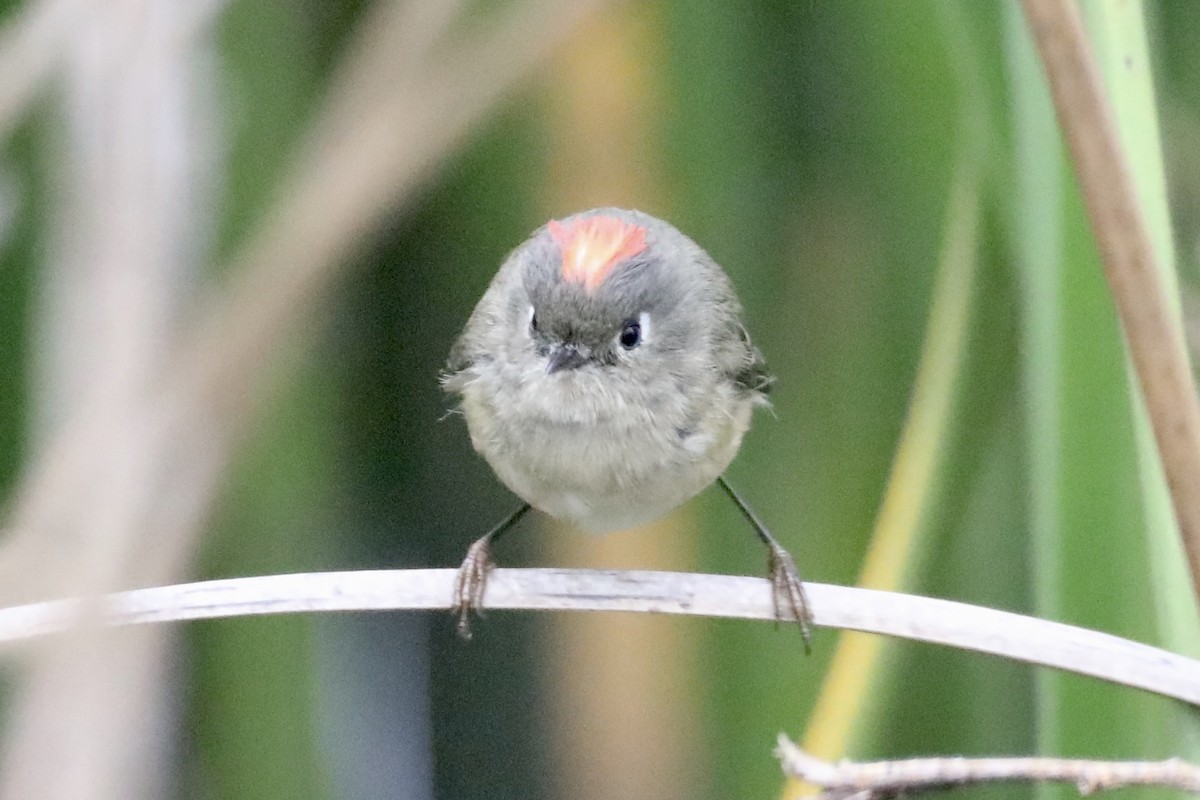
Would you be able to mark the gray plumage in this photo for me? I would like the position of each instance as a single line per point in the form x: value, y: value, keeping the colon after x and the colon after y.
x: 583, y: 427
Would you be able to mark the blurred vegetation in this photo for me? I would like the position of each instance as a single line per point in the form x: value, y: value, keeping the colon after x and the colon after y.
x: 864, y: 172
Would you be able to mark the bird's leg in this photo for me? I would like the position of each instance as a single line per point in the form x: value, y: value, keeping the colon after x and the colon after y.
x: 787, y: 591
x: 472, y: 575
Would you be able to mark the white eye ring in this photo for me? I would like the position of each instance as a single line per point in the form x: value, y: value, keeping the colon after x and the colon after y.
x: 532, y: 326
x: 634, y: 333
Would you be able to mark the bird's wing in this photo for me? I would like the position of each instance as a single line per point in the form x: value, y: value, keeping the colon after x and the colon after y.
x: 457, y: 371
x: 751, y: 373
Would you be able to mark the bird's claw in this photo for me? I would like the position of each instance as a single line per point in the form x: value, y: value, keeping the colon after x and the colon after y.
x: 469, y: 585
x: 787, y: 592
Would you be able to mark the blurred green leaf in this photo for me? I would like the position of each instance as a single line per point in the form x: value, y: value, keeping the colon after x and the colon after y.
x: 1086, y: 483
x: 1119, y: 34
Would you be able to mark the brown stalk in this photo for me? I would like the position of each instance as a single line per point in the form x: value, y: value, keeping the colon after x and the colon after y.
x: 1152, y: 332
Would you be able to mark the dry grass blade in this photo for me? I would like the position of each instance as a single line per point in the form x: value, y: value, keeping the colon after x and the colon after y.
x: 1151, y: 330
x: 926, y: 619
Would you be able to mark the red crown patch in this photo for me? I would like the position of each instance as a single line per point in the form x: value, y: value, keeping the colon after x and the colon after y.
x: 593, y: 247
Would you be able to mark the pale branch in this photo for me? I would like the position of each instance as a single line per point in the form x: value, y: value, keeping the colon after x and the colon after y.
x: 888, y: 778
x: 961, y: 625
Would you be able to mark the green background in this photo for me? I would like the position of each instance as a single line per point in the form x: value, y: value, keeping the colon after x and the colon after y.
x: 828, y: 155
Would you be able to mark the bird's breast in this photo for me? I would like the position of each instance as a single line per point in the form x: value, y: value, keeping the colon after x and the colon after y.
x: 601, y: 461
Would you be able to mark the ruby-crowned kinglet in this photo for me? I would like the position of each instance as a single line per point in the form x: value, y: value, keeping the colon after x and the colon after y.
x: 606, y: 377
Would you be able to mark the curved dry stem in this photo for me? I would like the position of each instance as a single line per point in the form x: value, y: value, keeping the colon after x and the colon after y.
x: 984, y: 630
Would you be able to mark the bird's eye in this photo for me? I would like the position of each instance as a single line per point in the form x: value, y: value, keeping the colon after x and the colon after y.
x: 533, y: 323
x: 631, y: 334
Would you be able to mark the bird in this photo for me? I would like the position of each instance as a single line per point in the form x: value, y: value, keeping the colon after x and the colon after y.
x: 606, y: 376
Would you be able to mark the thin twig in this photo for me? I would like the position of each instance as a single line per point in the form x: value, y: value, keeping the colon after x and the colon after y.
x: 1151, y: 330
x: 984, y: 630
x: 887, y: 778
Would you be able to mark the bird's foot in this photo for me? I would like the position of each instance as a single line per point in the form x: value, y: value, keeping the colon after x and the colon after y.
x: 470, y: 584
x: 787, y: 592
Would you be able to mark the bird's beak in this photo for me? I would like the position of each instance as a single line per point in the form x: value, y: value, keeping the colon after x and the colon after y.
x: 564, y: 356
